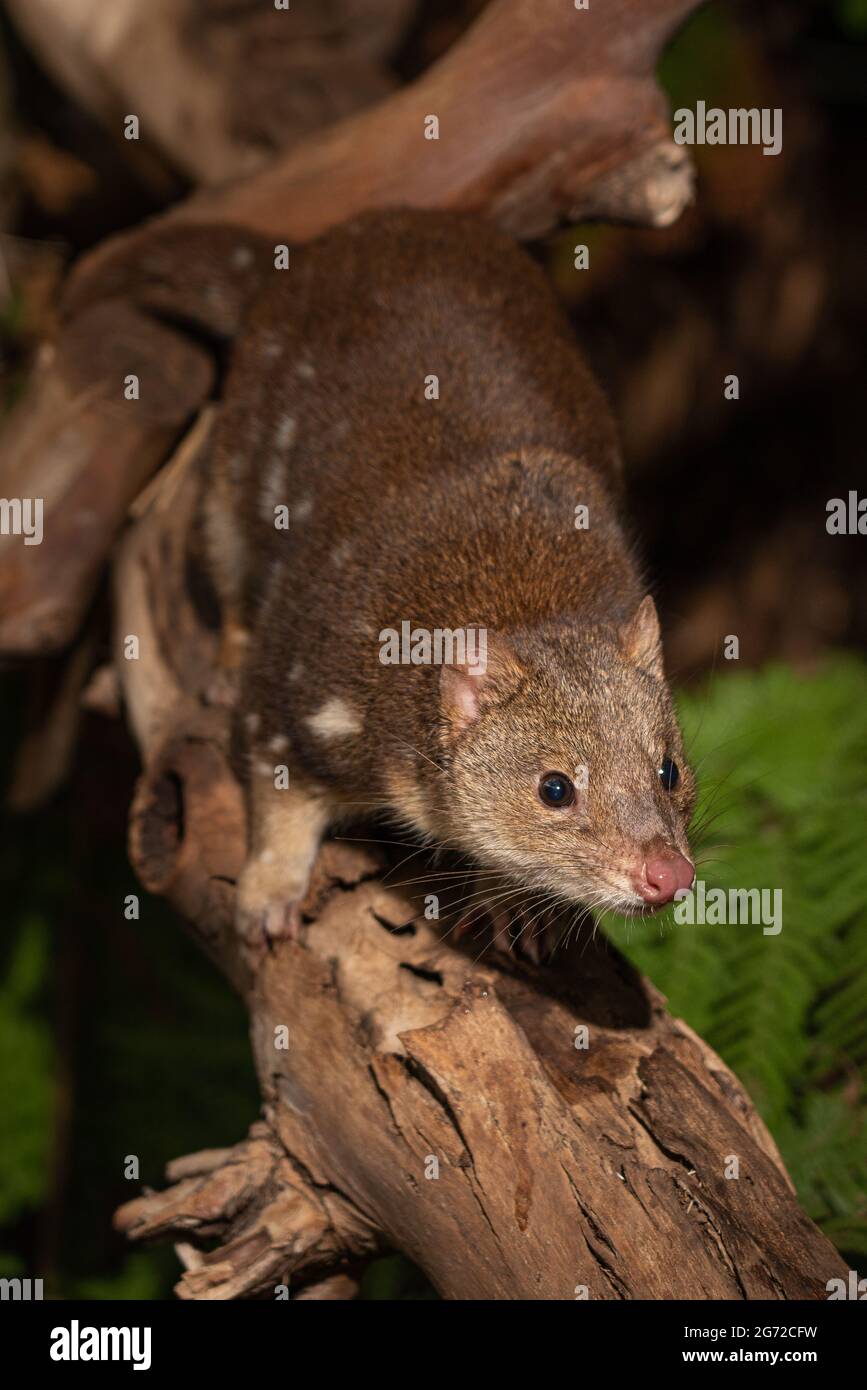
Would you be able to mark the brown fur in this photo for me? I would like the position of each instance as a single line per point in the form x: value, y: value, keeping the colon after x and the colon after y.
x: 448, y: 513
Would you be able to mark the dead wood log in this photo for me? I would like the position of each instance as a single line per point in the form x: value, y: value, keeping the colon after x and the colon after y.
x: 84, y: 442
x: 544, y: 113
x: 415, y: 1098
x: 75, y: 444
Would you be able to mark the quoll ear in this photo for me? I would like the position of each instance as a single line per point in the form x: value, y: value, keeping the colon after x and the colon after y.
x: 465, y: 689
x: 641, y: 640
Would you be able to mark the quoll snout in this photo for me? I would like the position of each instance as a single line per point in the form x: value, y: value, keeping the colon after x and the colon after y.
x: 663, y: 873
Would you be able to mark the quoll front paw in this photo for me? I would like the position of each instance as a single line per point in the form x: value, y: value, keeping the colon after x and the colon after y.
x: 269, y: 897
x: 519, y: 927
x: 223, y: 688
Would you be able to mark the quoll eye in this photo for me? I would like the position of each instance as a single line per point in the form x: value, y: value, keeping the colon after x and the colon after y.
x: 556, y: 790
x: 669, y: 774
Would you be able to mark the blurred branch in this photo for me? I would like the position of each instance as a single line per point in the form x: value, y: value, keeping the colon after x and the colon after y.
x: 217, y: 87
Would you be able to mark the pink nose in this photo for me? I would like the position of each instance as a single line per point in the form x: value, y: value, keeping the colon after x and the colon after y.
x: 664, y: 875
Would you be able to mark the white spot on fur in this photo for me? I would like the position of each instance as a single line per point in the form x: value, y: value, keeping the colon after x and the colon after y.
x: 251, y: 723
x: 341, y: 553
x: 296, y: 670
x: 272, y: 487
x: 302, y: 510
x: 285, y: 433
x: 305, y: 369
x: 242, y: 257
x: 270, y: 345
x: 279, y: 743
x: 336, y: 719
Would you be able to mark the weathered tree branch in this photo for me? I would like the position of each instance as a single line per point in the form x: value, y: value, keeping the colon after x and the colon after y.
x: 76, y: 444
x: 282, y: 1225
x: 545, y: 112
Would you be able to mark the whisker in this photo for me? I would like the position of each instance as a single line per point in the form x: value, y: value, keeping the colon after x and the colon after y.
x: 420, y: 754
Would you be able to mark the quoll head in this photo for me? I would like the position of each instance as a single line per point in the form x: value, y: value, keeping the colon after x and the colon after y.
x: 565, y: 764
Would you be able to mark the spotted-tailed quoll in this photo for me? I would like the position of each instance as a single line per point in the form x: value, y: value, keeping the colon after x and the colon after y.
x: 413, y: 524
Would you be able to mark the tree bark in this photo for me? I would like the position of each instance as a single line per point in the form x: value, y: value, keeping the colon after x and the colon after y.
x: 545, y: 113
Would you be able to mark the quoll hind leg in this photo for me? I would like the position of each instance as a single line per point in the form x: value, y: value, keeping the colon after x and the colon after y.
x: 286, y: 828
